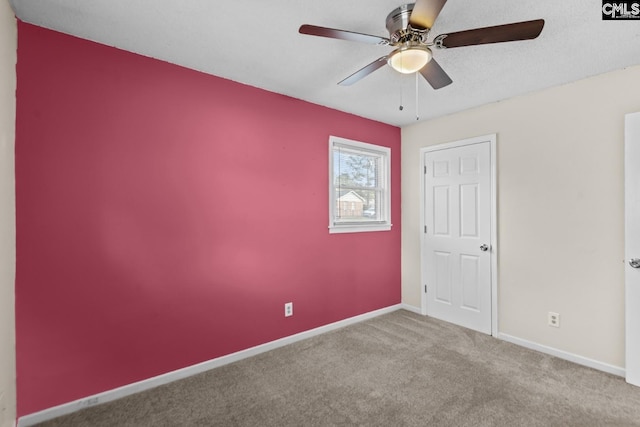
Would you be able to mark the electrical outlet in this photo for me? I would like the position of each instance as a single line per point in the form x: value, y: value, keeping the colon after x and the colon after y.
x: 288, y: 309
x: 553, y: 319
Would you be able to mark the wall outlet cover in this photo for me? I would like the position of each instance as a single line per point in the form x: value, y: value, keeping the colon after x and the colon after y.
x: 553, y: 319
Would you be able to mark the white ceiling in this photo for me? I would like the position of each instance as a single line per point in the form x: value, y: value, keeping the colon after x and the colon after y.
x: 256, y: 42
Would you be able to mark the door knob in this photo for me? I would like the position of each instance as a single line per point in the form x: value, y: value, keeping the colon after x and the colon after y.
x: 634, y: 262
x: 484, y: 248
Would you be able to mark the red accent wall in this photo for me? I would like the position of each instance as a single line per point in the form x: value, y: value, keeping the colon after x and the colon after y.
x: 164, y: 217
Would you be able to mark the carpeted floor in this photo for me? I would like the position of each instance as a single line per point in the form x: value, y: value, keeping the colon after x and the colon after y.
x: 400, y: 369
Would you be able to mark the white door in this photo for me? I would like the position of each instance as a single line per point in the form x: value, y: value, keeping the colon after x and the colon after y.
x: 457, y: 236
x: 632, y: 247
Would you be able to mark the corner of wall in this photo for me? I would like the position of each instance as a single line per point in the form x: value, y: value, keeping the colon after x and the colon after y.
x: 8, y: 52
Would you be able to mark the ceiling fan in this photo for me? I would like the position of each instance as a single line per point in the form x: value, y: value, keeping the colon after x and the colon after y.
x: 409, y: 26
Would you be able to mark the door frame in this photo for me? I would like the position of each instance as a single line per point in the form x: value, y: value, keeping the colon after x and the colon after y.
x: 631, y: 228
x: 491, y: 139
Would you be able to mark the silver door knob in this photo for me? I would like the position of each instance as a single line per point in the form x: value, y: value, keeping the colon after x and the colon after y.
x: 634, y: 262
x: 485, y: 248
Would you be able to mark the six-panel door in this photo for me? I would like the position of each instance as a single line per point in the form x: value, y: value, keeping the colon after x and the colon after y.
x: 458, y: 235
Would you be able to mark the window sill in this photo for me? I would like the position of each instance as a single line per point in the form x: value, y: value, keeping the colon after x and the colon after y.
x: 352, y: 228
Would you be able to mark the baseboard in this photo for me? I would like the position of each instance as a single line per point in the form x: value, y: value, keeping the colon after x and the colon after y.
x: 411, y: 308
x: 580, y: 360
x: 120, y: 392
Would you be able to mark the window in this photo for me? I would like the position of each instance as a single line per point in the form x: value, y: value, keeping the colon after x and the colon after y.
x: 359, y: 186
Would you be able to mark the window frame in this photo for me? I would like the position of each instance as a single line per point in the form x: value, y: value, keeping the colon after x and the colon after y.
x: 384, y: 181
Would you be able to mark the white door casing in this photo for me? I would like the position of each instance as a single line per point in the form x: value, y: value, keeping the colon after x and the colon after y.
x: 459, y: 221
x: 632, y: 247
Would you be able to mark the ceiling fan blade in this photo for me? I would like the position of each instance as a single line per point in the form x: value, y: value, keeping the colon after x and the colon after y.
x: 332, y: 33
x: 526, y: 30
x: 425, y: 13
x: 364, y: 72
x: 435, y: 75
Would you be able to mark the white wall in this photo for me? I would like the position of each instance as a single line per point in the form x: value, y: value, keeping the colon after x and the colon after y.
x: 560, y: 209
x: 8, y: 46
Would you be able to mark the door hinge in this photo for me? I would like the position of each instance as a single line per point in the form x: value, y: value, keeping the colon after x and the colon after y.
x: 425, y: 170
x: 425, y: 229
x: 425, y: 289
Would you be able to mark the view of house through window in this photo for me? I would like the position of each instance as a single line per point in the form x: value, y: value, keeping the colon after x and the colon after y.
x: 356, y: 177
x: 360, y: 190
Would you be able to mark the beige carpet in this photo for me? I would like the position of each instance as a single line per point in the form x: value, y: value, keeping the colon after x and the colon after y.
x: 399, y: 369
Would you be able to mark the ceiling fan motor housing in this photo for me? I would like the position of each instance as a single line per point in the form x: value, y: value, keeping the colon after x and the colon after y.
x: 400, y: 32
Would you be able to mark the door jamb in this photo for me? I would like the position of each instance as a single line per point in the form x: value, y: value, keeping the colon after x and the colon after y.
x: 491, y: 139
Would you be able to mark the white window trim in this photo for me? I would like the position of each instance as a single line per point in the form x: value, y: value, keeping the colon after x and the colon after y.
x: 358, y: 227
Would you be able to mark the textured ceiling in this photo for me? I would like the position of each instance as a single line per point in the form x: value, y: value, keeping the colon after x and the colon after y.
x: 256, y: 42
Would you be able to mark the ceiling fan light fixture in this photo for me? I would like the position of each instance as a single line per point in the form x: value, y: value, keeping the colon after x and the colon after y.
x: 409, y: 59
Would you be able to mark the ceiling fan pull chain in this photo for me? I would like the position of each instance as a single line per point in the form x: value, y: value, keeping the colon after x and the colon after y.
x: 401, y: 90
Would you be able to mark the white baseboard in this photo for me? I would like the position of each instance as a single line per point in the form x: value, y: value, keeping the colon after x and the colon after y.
x: 411, y: 308
x: 580, y: 360
x: 120, y: 392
